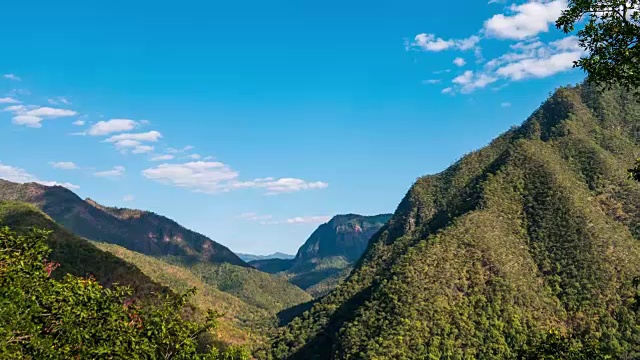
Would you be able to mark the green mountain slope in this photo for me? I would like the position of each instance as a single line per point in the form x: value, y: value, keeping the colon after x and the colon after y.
x: 538, y: 230
x: 254, y: 297
x: 77, y: 256
x: 328, y: 254
x: 137, y: 230
x: 241, y: 323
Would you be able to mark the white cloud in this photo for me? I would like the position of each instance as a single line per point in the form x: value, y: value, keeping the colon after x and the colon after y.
x: 569, y: 43
x: 79, y: 122
x: 147, y: 136
x: 12, y: 77
x: 216, y: 177
x: 65, y: 165
x: 505, y: 104
x: 32, y: 116
x: 48, y: 112
x: 299, y: 220
x: 252, y: 216
x: 16, y: 108
x: 539, y: 67
x: 27, y: 120
x: 282, y: 185
x: 208, y: 177
x: 128, y: 198
x: 194, y: 156
x: 429, y: 42
x: 459, y: 61
x: 470, y: 81
x: 447, y: 90
x: 111, y: 126
x: 308, y: 219
x: 117, y: 171
x: 525, y: 20
x: 142, y: 149
x: 9, y: 100
x: 19, y: 175
x: 431, y: 81
x: 463, y: 79
x: 162, y: 157
x: 121, y: 144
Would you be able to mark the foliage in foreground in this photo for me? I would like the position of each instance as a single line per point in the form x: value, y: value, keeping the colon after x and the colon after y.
x: 611, y: 37
x: 45, y: 318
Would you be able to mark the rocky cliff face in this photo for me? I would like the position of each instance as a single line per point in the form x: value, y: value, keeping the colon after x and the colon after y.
x: 344, y: 235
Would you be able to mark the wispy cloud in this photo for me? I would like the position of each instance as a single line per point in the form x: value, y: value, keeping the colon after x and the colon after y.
x: 505, y: 104
x: 128, y: 198
x: 19, y: 175
x: 299, y: 220
x: 79, y: 123
x: 65, y: 165
x: 177, y: 151
x: 12, y: 77
x: 146, y: 136
x: 58, y: 100
x: 252, y: 216
x: 9, y: 100
x: 116, y: 172
x: 162, y: 157
x: 431, y: 81
x: 142, y: 149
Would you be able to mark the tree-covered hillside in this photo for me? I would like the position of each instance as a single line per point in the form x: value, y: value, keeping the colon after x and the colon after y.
x: 539, y: 231
x: 77, y: 256
x: 137, y: 230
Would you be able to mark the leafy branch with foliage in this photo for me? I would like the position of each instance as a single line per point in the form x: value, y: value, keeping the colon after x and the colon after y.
x: 45, y: 318
x: 611, y: 37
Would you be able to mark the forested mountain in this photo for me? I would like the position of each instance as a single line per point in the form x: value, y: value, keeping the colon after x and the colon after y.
x: 248, y: 298
x: 137, y: 230
x: 77, y: 256
x: 538, y: 231
x: 328, y: 254
x: 151, y: 253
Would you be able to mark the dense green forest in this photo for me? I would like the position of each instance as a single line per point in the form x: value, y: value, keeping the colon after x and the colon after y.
x: 247, y: 298
x: 524, y: 249
x: 43, y: 317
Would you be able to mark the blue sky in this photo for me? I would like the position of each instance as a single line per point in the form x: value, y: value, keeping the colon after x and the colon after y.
x: 252, y: 122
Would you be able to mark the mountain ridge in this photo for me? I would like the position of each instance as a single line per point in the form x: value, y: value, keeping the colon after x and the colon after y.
x: 537, y: 230
x: 137, y: 230
x: 327, y: 256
